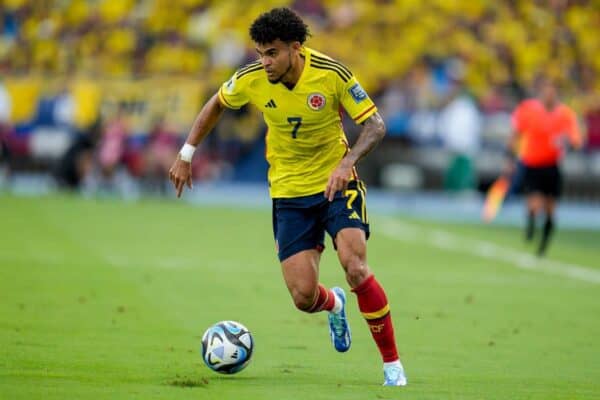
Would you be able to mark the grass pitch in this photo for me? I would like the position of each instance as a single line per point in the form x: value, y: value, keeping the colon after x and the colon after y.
x: 105, y: 299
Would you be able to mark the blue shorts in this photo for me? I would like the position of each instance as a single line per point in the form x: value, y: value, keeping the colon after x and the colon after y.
x: 299, y: 223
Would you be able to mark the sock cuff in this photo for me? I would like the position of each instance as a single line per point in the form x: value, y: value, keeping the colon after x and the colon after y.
x: 364, y: 286
x: 393, y: 363
x: 324, y: 300
x: 322, y: 296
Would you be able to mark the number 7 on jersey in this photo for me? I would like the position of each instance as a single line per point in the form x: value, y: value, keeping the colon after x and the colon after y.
x: 297, y: 122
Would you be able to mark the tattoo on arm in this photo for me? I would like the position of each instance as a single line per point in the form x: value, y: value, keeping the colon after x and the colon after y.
x: 372, y: 133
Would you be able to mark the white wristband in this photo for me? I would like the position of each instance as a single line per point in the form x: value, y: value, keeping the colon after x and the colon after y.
x: 187, y: 152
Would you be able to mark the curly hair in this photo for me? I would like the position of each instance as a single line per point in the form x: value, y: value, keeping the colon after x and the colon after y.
x: 279, y: 23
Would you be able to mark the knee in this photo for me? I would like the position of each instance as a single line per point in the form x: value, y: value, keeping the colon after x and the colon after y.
x: 303, y: 299
x: 356, y: 269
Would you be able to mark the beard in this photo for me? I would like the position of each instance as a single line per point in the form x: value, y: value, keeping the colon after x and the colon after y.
x: 276, y: 80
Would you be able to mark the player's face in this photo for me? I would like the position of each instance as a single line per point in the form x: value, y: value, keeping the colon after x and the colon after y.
x: 276, y: 58
x: 548, y: 93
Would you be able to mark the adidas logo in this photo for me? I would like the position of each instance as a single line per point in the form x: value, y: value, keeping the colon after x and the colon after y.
x: 354, y: 215
x: 271, y: 104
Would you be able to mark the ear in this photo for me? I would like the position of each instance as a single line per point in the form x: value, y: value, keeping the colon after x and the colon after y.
x: 296, y: 46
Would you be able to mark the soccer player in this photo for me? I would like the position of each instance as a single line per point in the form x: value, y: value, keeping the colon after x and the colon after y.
x: 312, y: 175
x: 540, y: 126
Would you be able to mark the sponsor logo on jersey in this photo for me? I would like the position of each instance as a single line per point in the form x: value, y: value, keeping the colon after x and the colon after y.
x: 357, y: 93
x: 316, y: 101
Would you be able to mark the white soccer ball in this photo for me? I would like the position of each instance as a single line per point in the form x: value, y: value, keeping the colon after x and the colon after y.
x: 227, y: 347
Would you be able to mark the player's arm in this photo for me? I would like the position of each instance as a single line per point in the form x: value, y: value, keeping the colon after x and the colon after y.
x: 181, y: 171
x: 372, y: 132
x: 518, y: 123
x: 511, y: 152
x: 574, y: 134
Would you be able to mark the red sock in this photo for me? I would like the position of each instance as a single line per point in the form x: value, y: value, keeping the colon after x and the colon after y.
x: 324, y: 302
x: 374, y: 307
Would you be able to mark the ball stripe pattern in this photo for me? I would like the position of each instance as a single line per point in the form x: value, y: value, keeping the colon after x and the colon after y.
x: 227, y: 347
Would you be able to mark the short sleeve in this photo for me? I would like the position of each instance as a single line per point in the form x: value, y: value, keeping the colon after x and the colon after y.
x: 232, y: 93
x: 356, y: 101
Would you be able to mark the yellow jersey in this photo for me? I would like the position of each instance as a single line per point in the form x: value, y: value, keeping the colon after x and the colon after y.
x: 305, y: 141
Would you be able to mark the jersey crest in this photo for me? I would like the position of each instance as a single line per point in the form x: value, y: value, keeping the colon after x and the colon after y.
x: 316, y: 101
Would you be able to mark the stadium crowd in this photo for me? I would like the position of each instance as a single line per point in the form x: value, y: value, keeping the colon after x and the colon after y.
x: 93, y: 87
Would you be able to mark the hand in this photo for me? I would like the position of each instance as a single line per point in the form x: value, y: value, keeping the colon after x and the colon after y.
x: 338, y: 179
x: 181, y: 174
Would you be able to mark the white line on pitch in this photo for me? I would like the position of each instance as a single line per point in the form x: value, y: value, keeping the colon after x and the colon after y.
x: 449, y: 241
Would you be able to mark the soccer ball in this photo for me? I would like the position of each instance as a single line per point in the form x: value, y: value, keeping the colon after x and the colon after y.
x: 227, y: 347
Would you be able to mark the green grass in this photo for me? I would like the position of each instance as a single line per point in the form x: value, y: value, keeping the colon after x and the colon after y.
x: 104, y: 299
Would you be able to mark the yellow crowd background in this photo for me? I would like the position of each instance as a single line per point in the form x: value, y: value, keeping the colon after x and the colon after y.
x: 167, y: 56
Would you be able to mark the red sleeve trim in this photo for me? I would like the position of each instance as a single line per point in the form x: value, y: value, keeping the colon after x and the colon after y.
x: 364, y: 112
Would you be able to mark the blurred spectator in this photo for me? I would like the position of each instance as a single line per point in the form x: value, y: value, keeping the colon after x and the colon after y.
x: 5, y: 104
x: 155, y: 56
x: 4, y: 155
x: 111, y: 148
x: 4, y: 128
x: 459, y: 125
x: 162, y: 147
x: 424, y: 99
x: 503, y: 41
x: 592, y: 120
x: 77, y: 164
x: 64, y: 108
x: 394, y: 108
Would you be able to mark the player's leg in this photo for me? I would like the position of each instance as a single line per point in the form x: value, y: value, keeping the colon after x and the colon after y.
x: 351, y: 244
x: 552, y: 187
x: 300, y: 241
x: 535, y: 204
x: 516, y: 180
x: 348, y: 225
x: 533, y: 199
x: 549, y: 207
x: 372, y: 300
x: 301, y: 276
